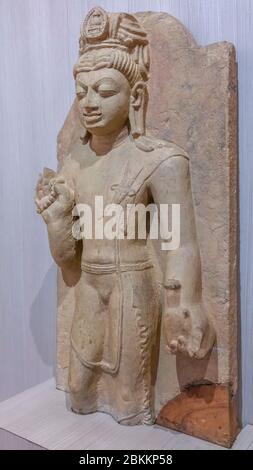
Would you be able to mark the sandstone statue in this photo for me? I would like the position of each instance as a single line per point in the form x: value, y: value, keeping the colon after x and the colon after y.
x: 117, y: 323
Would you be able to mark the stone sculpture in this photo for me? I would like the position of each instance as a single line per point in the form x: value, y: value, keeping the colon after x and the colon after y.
x: 118, y: 320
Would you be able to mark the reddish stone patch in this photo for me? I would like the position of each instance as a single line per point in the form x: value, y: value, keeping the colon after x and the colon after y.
x: 205, y: 411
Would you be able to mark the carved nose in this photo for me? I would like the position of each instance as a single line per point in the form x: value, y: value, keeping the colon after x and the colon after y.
x: 90, y: 103
x: 90, y: 108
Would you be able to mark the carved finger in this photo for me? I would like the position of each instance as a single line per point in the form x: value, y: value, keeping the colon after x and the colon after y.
x: 207, y: 342
x: 201, y: 353
x: 45, y: 205
x: 46, y: 202
x: 53, y: 193
x: 62, y: 190
x: 40, y: 193
x: 173, y: 346
x: 37, y: 202
x: 42, y: 189
x: 42, y: 205
x: 181, y: 344
x: 52, y: 197
x: 195, y: 342
x: 54, y: 181
x: 39, y: 184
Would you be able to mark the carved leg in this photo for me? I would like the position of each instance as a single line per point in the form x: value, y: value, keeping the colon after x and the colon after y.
x: 139, y: 353
x: 82, y: 385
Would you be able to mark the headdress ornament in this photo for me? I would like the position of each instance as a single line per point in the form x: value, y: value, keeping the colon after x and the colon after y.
x: 114, y: 40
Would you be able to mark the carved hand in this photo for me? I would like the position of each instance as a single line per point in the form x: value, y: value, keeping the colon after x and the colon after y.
x: 53, y: 197
x: 188, y: 330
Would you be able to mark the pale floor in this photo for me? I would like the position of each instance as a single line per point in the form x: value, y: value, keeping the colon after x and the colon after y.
x: 38, y: 418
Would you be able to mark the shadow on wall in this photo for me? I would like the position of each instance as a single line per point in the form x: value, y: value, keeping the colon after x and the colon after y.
x: 43, y: 318
x: 197, y: 371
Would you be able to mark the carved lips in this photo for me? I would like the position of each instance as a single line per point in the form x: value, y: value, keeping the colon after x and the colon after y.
x: 92, y: 118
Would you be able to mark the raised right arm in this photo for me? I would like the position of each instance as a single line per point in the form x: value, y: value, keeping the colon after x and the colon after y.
x: 55, y: 201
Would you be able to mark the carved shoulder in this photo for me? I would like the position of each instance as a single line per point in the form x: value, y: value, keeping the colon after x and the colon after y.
x: 171, y: 178
x: 158, y: 146
x: 77, y: 159
x: 69, y: 170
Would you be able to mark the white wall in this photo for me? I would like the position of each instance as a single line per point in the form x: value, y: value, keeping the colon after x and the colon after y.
x: 38, y: 43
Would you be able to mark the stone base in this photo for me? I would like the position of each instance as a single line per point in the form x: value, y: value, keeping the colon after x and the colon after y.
x: 39, y: 418
x: 205, y: 411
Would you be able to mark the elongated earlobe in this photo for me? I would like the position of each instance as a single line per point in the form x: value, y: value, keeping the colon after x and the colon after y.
x: 137, y: 109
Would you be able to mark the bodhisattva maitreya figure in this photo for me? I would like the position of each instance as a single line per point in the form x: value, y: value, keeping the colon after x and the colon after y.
x: 115, y: 330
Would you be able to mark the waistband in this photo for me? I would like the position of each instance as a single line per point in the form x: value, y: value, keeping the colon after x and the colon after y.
x: 95, y: 268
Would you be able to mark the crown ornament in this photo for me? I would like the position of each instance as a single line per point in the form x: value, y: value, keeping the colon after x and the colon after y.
x: 95, y: 26
x: 113, y: 40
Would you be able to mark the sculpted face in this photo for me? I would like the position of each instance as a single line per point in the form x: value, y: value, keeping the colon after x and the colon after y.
x: 103, y: 99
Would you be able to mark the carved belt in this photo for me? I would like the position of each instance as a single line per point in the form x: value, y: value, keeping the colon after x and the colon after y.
x: 93, y: 268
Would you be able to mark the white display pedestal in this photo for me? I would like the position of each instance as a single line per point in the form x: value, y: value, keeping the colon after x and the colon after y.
x: 39, y: 419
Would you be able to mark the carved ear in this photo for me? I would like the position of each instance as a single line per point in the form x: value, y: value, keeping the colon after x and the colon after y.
x: 137, y: 109
x: 137, y: 95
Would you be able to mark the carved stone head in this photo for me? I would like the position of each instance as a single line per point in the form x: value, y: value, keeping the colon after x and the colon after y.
x: 112, y: 73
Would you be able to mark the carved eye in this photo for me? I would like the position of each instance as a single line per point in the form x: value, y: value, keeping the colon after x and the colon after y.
x: 81, y: 92
x: 105, y: 92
